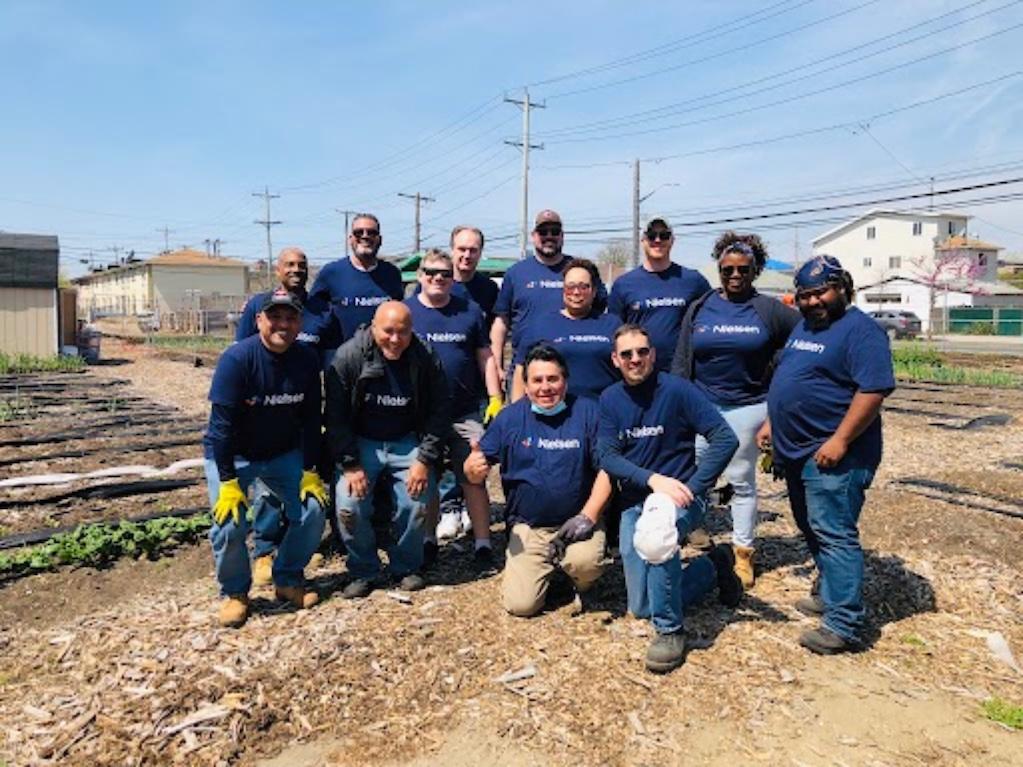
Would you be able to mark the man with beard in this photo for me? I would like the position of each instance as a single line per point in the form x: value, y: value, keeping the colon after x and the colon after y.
x: 824, y: 423
x: 532, y: 288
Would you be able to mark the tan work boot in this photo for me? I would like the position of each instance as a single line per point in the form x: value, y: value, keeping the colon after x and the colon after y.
x: 262, y: 571
x: 297, y: 596
x: 234, y: 611
x: 744, y: 565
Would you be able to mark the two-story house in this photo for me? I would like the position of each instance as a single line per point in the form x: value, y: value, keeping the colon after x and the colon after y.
x: 921, y: 261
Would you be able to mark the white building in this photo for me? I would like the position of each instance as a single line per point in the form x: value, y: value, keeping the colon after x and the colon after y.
x: 919, y: 261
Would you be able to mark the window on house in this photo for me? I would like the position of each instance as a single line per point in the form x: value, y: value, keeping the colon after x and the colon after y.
x: 951, y: 227
x: 918, y: 228
x: 894, y: 262
x: 982, y: 259
x: 871, y: 232
x: 867, y: 262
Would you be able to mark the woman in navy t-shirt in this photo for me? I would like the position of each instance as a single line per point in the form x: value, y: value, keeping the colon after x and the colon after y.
x: 727, y: 347
x: 581, y: 335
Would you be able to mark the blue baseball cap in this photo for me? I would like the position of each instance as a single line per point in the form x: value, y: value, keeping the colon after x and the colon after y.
x: 819, y: 271
x: 282, y: 297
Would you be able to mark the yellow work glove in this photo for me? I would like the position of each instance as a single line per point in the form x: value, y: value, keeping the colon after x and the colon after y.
x: 230, y: 502
x: 311, y: 484
x: 493, y: 408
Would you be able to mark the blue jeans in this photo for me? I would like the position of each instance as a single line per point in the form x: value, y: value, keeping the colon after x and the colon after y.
x: 741, y: 472
x: 406, y: 555
x: 268, y: 526
x: 826, y: 504
x: 661, y: 592
x: 301, y: 536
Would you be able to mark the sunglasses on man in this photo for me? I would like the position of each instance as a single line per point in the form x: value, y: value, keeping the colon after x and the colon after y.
x: 641, y: 353
x: 365, y: 233
x: 658, y: 235
x: 441, y: 272
x: 548, y: 231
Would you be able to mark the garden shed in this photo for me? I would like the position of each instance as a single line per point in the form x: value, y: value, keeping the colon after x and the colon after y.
x: 28, y: 294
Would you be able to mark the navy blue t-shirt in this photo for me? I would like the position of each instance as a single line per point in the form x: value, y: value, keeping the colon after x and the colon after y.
x: 731, y: 351
x: 456, y: 332
x: 320, y: 328
x: 532, y: 289
x: 388, y: 412
x: 586, y: 345
x: 353, y: 294
x: 548, y: 463
x: 657, y: 301
x: 264, y: 404
x: 653, y: 426
x: 818, y: 374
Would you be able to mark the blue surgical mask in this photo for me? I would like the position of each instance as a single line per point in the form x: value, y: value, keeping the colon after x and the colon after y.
x: 548, y: 410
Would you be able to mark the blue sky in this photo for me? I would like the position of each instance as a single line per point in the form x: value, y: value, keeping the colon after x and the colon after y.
x: 122, y: 118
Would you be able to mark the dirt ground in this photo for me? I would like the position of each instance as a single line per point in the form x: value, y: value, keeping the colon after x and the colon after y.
x: 127, y: 666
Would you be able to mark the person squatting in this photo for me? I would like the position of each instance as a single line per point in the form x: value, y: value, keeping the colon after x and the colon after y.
x: 609, y: 417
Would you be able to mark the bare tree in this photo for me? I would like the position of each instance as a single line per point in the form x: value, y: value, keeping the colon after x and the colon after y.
x: 614, y: 256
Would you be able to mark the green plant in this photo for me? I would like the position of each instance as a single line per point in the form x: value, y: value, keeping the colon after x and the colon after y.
x: 99, y: 544
x: 26, y: 363
x: 917, y: 355
x: 914, y: 640
x: 114, y: 404
x: 1003, y: 712
x: 980, y: 329
x: 955, y: 375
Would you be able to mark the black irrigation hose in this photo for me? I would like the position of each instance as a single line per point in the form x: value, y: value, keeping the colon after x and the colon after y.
x: 995, y: 419
x: 88, y: 433
x: 113, y: 490
x: 129, y: 415
x: 927, y: 413
x: 131, y: 449
x: 42, y: 536
x: 944, y: 489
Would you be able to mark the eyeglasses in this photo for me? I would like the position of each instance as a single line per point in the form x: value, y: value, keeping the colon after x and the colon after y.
x: 365, y: 233
x: 727, y: 270
x: 658, y: 235
x: 445, y: 274
x: 641, y: 353
x: 548, y: 231
x: 578, y: 287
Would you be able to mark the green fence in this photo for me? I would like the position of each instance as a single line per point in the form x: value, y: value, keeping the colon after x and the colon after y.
x: 986, y: 320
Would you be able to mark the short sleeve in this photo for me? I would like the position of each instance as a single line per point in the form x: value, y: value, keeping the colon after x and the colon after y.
x: 503, y: 304
x: 869, y: 357
x: 493, y: 438
x: 228, y: 383
x: 616, y: 301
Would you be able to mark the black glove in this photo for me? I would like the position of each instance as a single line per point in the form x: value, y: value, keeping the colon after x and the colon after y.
x: 578, y: 528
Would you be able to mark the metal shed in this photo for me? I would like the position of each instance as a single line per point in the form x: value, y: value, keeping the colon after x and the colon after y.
x: 28, y: 294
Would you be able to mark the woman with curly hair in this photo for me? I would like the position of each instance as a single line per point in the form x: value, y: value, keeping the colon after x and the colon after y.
x: 727, y: 346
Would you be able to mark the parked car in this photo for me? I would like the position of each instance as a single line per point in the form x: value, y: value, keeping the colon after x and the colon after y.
x: 898, y: 324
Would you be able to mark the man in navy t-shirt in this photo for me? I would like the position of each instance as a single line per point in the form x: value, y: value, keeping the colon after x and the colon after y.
x: 355, y: 286
x: 656, y: 293
x: 455, y: 329
x: 546, y: 445
x: 824, y: 423
x: 265, y: 424
x: 320, y: 330
x: 648, y: 427
x: 532, y: 288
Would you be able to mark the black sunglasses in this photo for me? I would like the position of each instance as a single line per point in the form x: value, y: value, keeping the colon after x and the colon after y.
x: 360, y: 233
x: 729, y: 269
x: 430, y: 271
x: 641, y: 353
x: 658, y: 235
x: 548, y: 231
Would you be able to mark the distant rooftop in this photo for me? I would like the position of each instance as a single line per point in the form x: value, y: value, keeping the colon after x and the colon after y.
x: 957, y: 242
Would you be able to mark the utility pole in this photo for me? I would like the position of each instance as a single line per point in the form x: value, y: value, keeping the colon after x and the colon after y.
x: 347, y: 214
x: 267, y: 222
x: 635, y: 213
x: 166, y: 238
x: 525, y: 105
x: 419, y: 199
x: 116, y: 249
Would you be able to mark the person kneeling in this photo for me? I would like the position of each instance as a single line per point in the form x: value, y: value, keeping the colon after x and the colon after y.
x: 546, y: 445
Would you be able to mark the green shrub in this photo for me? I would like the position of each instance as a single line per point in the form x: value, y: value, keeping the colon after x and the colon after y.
x: 941, y: 374
x: 99, y: 544
x: 917, y: 355
x: 26, y: 363
x: 980, y: 329
x: 998, y: 710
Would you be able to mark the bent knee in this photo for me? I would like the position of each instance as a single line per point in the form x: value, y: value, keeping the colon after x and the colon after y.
x: 523, y: 605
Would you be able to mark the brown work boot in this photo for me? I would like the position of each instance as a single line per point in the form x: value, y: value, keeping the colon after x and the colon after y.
x: 262, y: 571
x: 297, y: 596
x: 744, y: 565
x: 234, y: 611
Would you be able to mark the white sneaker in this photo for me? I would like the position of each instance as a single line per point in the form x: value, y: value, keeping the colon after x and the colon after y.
x: 449, y: 525
x: 466, y: 522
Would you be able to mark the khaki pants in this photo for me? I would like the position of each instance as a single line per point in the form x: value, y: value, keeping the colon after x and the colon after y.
x: 527, y: 573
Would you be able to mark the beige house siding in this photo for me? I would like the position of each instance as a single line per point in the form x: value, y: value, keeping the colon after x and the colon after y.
x: 28, y: 321
x: 181, y: 288
x: 124, y: 291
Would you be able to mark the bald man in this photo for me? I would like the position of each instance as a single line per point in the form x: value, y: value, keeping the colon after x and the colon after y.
x: 388, y: 418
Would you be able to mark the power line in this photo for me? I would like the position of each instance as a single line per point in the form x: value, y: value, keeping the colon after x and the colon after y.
x: 268, y: 223
x: 525, y: 146
x: 419, y: 199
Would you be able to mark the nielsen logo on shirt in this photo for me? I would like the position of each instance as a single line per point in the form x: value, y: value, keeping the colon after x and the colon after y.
x: 658, y: 303
x: 449, y: 338
x: 559, y: 284
x: 642, y: 432
x: 308, y: 338
x: 391, y: 400
x: 736, y: 329
x: 590, y: 339
x: 558, y: 444
x: 277, y: 399
x: 806, y: 346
